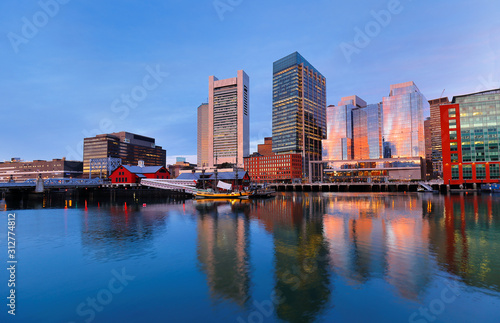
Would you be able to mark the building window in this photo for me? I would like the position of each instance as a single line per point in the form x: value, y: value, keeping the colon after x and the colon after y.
x: 480, y: 171
x: 454, y: 158
x: 467, y: 171
x: 453, y: 135
x: 452, y: 113
x: 494, y: 171
x: 453, y: 124
x: 454, y: 172
x: 453, y: 146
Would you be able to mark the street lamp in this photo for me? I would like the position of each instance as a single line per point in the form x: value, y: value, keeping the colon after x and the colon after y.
x: 235, y: 176
x: 203, y: 177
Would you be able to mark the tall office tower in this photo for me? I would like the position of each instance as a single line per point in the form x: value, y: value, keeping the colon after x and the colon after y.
x: 228, y: 120
x: 470, y: 131
x: 299, y: 110
x: 437, y: 156
x: 338, y: 145
x: 202, y: 157
x: 354, y: 130
x: 128, y: 147
x: 367, y: 131
x: 404, y: 112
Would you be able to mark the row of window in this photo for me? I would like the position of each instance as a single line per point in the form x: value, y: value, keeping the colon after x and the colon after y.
x: 480, y: 171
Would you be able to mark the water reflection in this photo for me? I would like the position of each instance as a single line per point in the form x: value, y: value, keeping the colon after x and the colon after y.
x: 223, y: 243
x: 465, y: 236
x: 379, y: 236
x: 406, y: 240
x: 321, y: 254
x: 301, y: 256
x: 121, y: 231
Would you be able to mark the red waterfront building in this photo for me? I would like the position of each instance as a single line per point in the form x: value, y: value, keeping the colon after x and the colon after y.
x: 274, y: 168
x: 133, y: 174
x: 470, y: 128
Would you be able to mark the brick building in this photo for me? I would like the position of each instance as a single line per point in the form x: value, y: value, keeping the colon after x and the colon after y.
x: 271, y: 169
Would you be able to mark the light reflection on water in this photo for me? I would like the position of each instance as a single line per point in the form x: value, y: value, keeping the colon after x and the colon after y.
x: 298, y: 257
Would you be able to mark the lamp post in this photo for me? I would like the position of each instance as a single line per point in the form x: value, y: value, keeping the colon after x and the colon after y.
x: 235, y: 176
x: 215, y: 186
x: 203, y: 177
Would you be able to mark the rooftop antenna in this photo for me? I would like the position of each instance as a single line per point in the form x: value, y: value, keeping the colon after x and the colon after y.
x: 442, y: 93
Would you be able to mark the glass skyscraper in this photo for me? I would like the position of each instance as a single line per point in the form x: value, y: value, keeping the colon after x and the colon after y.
x: 338, y: 144
x: 354, y: 130
x: 299, y: 110
x: 404, y: 112
x: 367, y: 131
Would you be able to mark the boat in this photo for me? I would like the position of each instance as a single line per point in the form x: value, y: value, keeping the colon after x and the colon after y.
x: 220, y: 195
x: 491, y: 188
x: 262, y: 194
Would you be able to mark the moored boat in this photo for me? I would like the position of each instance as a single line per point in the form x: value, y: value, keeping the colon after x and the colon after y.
x: 219, y: 195
x: 262, y: 194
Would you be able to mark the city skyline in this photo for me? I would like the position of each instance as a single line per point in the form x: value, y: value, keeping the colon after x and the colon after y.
x: 66, y: 76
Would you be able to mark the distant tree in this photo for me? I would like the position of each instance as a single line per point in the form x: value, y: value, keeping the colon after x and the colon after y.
x: 225, y: 165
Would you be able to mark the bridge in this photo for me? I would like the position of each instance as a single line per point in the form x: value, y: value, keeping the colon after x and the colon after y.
x: 187, y: 186
x: 53, y: 183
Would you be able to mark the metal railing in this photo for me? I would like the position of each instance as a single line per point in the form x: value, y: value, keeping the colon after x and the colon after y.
x: 187, y: 186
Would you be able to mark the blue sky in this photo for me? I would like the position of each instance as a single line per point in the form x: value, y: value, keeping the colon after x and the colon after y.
x: 64, y: 76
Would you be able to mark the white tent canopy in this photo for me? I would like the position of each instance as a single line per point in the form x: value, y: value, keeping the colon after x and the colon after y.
x: 224, y: 186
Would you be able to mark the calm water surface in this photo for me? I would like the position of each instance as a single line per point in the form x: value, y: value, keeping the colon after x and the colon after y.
x: 305, y: 257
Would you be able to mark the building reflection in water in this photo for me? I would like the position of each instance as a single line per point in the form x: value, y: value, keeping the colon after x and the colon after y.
x: 223, y: 243
x: 121, y: 231
x: 409, y: 241
x: 465, y: 236
x: 301, y: 255
x: 380, y: 236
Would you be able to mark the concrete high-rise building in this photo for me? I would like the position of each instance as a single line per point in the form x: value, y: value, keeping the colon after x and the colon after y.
x: 437, y: 156
x: 203, y: 159
x: 228, y: 120
x: 404, y: 112
x: 299, y: 110
x: 128, y: 147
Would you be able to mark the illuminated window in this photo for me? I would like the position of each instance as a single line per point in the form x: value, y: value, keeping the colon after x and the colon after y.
x: 480, y: 171
x: 494, y: 171
x: 467, y: 171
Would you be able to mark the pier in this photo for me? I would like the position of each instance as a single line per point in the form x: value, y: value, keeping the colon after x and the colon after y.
x: 359, y: 187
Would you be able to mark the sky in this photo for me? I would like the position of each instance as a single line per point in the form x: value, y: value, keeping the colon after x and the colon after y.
x: 71, y: 69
